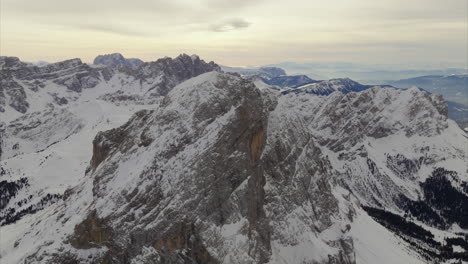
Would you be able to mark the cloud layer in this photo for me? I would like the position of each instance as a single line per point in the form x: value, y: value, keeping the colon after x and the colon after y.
x: 231, y: 24
x: 242, y: 32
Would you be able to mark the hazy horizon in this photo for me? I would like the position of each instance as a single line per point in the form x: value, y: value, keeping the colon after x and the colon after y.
x: 416, y: 34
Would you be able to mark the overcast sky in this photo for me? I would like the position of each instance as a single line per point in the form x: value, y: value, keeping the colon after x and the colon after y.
x: 424, y: 33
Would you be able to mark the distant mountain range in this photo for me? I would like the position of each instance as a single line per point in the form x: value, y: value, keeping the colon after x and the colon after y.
x: 343, y: 85
x: 369, y: 73
x: 289, y: 80
x: 452, y: 87
x: 459, y: 113
x: 264, y: 72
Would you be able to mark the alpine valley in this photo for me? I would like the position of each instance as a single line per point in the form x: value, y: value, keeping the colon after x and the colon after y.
x: 182, y: 161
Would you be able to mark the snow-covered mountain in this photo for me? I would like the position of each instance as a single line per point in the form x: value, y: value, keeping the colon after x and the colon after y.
x: 453, y: 87
x: 22, y: 84
x: 343, y: 85
x: 177, y: 162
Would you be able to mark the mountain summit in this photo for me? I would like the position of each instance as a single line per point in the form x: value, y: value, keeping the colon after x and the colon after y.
x: 116, y: 59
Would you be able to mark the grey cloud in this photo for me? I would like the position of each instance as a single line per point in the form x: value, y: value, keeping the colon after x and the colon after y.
x: 425, y: 10
x: 109, y: 28
x: 228, y: 25
x: 231, y: 4
x: 164, y: 8
x: 90, y: 6
x: 125, y: 17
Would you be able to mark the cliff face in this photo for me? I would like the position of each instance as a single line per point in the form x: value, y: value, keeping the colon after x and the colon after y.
x: 202, y: 151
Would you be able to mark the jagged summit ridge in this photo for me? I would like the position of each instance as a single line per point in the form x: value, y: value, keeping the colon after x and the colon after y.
x: 21, y: 80
x: 10, y: 62
x: 116, y: 59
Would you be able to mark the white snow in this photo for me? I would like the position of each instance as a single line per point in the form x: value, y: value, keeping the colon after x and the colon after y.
x: 375, y: 244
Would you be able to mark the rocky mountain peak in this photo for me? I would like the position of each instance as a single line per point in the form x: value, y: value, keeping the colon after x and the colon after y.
x: 173, y: 71
x: 272, y: 72
x: 11, y: 63
x: 192, y: 64
x: 116, y: 60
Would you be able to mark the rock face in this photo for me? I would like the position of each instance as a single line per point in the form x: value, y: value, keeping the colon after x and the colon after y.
x: 19, y: 79
x: 222, y: 171
x: 116, y: 59
x: 11, y: 63
x: 191, y: 119
x: 165, y: 73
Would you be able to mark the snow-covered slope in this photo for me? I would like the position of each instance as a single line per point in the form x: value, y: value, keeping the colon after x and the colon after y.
x: 227, y: 170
